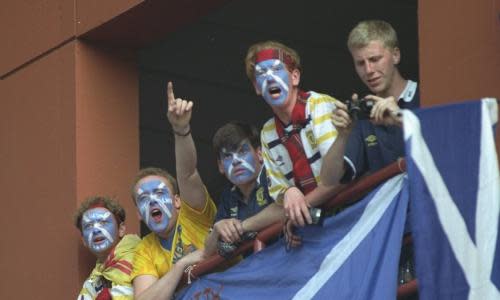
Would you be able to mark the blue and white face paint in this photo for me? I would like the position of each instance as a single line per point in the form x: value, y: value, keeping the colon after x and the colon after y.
x: 240, y: 165
x: 272, y: 80
x: 99, y: 229
x: 155, y: 205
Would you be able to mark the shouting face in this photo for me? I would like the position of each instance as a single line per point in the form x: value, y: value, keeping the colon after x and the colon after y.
x: 99, y: 230
x: 155, y: 203
x: 272, y: 81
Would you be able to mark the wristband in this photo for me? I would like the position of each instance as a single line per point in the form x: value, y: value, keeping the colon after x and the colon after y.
x: 182, y: 134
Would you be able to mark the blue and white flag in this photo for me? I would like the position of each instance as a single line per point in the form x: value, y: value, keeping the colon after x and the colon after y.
x: 354, y: 255
x: 455, y: 200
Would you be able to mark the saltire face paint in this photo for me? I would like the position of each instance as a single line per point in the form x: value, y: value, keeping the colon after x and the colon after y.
x: 155, y: 205
x: 272, y: 80
x: 239, y: 165
x: 99, y: 229
x: 271, y: 75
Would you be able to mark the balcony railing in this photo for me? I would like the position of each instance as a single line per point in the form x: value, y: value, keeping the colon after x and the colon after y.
x: 346, y: 194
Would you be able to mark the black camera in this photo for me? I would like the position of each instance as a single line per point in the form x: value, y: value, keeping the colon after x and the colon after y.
x: 226, y: 249
x: 316, y: 215
x: 360, y: 109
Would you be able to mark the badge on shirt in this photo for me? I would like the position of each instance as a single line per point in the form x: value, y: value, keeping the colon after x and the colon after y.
x: 371, y: 140
x: 260, y: 197
x: 311, y: 139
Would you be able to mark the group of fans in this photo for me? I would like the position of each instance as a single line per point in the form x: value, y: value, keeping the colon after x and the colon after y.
x: 311, y: 145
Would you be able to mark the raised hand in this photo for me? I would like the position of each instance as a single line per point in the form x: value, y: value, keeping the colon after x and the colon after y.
x: 179, y: 112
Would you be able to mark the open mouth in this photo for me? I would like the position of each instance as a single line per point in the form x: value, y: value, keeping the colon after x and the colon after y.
x: 275, y: 92
x: 98, y: 239
x: 156, y: 214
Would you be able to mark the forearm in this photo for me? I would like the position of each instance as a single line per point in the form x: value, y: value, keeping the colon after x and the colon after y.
x: 333, y: 168
x: 269, y: 215
x: 211, y: 243
x: 321, y: 194
x: 190, y: 184
x: 185, y: 154
x: 164, y: 288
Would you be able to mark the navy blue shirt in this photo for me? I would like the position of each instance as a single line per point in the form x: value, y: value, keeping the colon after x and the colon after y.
x: 371, y: 147
x: 232, y: 204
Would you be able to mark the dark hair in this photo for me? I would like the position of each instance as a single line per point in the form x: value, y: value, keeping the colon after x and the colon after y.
x: 153, y: 171
x: 99, y: 201
x: 232, y: 134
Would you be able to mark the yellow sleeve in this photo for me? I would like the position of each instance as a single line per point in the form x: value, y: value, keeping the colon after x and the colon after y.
x: 204, y: 218
x: 196, y: 224
x: 322, y: 108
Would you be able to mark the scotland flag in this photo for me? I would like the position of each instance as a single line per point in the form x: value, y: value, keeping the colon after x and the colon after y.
x: 455, y: 200
x: 354, y: 255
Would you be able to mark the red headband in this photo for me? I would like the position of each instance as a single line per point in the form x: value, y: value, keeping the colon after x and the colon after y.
x: 272, y: 53
x: 97, y: 204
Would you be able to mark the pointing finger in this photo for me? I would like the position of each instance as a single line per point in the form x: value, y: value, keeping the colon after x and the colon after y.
x: 170, y: 94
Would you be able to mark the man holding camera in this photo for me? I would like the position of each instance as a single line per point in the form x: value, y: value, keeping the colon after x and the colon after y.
x: 365, y: 146
x: 299, y: 134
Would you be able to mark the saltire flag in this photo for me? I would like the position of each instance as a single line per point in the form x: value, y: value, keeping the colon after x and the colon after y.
x: 353, y: 255
x: 455, y: 200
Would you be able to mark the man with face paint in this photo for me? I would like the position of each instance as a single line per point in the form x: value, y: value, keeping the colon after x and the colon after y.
x: 179, y: 214
x: 300, y: 133
x: 245, y: 206
x: 101, y: 222
x: 368, y: 145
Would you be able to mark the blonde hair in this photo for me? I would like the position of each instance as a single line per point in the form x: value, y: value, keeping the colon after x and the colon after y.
x: 372, y: 30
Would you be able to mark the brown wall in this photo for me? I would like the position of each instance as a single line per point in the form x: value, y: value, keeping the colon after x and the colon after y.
x: 107, y: 129
x: 68, y: 129
x: 92, y: 13
x: 30, y: 28
x: 38, y: 177
x: 459, y: 51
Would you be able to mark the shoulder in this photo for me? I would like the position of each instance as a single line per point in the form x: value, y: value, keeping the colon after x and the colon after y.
x: 319, y: 104
x: 268, y: 132
x: 147, y: 241
x: 226, y: 195
x: 187, y: 213
x: 318, y: 98
x: 269, y: 126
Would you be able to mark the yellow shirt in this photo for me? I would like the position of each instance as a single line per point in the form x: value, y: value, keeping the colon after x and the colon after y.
x: 191, y: 230
x: 116, y: 269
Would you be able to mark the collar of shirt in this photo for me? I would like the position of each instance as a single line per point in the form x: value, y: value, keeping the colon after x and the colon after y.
x: 409, y: 91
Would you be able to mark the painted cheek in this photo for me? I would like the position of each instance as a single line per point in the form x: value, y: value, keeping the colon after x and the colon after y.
x: 228, y: 162
x: 248, y: 166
